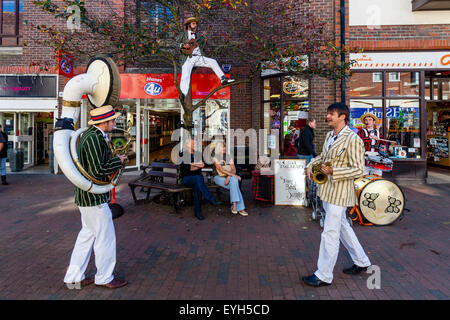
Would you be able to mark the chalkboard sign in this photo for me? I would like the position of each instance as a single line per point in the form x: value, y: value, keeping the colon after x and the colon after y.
x: 290, y: 182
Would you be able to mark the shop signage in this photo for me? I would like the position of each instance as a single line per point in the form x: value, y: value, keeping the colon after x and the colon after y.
x: 28, y: 86
x: 162, y: 86
x: 290, y: 182
x: 401, y: 60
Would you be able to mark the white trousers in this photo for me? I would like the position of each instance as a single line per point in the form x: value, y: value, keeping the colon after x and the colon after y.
x: 197, y: 61
x: 97, y: 232
x: 336, y: 227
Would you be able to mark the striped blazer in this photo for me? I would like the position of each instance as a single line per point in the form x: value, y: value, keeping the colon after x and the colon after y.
x: 348, y: 166
x: 95, y: 157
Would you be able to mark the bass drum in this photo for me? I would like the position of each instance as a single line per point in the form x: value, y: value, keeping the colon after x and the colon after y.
x: 380, y: 201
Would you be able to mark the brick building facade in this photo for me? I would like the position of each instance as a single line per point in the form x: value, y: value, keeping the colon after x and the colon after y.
x: 403, y: 64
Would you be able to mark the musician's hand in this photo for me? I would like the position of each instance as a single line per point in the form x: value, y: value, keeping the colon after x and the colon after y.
x: 326, y: 169
x: 122, y: 157
x: 309, y: 173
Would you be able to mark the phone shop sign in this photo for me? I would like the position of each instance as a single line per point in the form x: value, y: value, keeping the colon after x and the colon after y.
x: 28, y: 86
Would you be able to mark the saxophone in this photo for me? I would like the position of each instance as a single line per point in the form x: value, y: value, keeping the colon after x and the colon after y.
x: 318, y: 176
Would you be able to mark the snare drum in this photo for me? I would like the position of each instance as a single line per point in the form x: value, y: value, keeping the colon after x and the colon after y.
x: 380, y: 201
x: 378, y: 162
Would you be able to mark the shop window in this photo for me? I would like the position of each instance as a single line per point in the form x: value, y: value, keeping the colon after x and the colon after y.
x: 377, y: 77
x: 394, y: 76
x: 366, y: 84
x: 445, y: 89
x: 403, y: 128
x: 402, y: 84
x: 359, y: 107
x: 11, y: 18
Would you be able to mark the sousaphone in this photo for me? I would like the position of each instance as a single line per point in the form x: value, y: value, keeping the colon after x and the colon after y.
x: 101, y: 84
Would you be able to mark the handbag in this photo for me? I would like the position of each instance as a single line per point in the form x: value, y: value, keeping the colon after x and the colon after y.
x: 225, y: 167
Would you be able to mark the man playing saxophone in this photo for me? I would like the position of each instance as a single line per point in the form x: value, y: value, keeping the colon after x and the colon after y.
x: 342, y: 161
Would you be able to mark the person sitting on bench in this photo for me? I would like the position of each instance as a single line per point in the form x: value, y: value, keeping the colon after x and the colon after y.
x: 225, y: 176
x: 191, y: 174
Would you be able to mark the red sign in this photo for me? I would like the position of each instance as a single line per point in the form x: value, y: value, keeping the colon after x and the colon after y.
x: 65, y: 64
x: 162, y: 86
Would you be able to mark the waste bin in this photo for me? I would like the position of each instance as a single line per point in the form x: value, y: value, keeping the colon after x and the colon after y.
x: 15, y: 157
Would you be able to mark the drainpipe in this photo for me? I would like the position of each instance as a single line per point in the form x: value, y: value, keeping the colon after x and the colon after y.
x: 343, y: 82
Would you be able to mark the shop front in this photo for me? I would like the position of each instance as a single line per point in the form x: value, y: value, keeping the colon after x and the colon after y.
x: 408, y: 92
x: 150, y: 111
x: 285, y: 107
x: 28, y: 107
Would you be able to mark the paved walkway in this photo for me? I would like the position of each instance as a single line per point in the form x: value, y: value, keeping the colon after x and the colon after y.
x: 174, y: 256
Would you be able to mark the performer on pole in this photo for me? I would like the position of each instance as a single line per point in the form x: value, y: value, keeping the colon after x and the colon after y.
x: 97, y: 230
x: 191, y: 45
x: 345, y: 150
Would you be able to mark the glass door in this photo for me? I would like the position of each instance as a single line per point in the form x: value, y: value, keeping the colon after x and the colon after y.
x: 25, y: 137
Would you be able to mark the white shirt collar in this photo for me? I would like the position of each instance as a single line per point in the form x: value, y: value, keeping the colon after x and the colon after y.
x: 103, y: 133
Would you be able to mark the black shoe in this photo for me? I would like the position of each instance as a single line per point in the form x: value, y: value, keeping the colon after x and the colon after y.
x: 200, y: 217
x: 4, y: 181
x: 354, y: 270
x: 224, y: 80
x: 313, y: 281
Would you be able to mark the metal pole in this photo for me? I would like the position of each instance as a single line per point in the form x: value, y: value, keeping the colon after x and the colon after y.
x: 343, y: 82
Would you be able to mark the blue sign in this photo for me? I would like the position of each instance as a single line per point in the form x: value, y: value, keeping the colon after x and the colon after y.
x: 153, y: 88
x: 66, y: 67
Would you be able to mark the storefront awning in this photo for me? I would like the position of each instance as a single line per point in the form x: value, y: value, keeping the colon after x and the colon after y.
x: 28, y: 105
x: 401, y: 60
x: 161, y: 86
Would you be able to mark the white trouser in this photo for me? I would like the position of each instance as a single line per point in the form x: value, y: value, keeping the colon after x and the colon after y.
x: 336, y: 227
x: 97, y: 232
x: 197, y: 61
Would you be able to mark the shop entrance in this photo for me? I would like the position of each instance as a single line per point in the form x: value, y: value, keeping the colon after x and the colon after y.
x: 28, y: 133
x: 437, y: 95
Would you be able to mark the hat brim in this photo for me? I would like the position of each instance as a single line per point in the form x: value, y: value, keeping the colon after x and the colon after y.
x: 189, y: 20
x: 91, y: 122
x: 374, y: 117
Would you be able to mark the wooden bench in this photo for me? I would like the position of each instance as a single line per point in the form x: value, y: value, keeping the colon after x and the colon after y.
x: 155, y: 177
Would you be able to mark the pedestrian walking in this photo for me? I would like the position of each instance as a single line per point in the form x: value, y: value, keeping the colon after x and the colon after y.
x: 3, y: 154
x: 345, y: 150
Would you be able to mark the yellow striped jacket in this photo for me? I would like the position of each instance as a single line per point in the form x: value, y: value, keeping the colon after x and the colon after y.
x: 347, y: 154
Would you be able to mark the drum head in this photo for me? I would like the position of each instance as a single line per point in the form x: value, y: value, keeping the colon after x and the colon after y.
x: 381, y: 201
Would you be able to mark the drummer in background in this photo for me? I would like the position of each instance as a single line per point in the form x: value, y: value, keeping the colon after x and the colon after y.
x: 371, y: 137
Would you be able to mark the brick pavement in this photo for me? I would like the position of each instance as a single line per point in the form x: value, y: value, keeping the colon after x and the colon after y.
x: 175, y: 256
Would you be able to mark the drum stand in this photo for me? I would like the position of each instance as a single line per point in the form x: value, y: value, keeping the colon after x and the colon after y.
x: 358, y: 217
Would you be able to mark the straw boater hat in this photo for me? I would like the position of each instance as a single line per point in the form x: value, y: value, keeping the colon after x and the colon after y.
x: 102, y: 114
x: 189, y: 20
x: 369, y: 114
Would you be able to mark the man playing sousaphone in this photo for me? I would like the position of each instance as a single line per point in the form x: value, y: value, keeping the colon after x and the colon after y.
x: 97, y: 230
x: 191, y: 46
x: 344, y: 151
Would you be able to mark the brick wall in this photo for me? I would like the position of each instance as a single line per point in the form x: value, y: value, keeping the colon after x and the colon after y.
x: 401, y: 37
x: 323, y: 92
